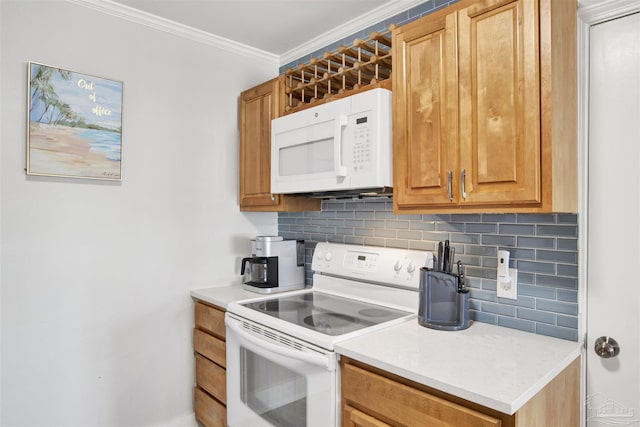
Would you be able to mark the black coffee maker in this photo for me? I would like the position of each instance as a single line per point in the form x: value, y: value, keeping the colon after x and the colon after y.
x: 276, y: 265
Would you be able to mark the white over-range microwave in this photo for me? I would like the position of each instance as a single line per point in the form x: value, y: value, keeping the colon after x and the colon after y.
x: 342, y: 147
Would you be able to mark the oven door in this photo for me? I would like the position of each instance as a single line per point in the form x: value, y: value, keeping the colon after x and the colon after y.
x: 274, y: 380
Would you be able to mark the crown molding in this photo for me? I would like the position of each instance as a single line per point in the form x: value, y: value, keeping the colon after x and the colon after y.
x: 139, y: 17
x: 606, y: 10
x: 372, y: 17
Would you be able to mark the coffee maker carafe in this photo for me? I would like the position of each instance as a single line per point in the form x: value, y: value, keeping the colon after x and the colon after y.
x: 260, y: 270
x: 276, y: 265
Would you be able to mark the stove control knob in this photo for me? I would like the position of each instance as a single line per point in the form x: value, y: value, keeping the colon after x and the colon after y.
x: 328, y: 256
x: 411, y: 267
x: 319, y: 254
x: 397, y: 266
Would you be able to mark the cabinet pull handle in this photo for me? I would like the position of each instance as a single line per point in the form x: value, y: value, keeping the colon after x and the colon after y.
x: 463, y: 176
x: 450, y: 185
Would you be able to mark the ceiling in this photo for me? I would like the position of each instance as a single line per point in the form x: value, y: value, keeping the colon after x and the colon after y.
x: 282, y: 30
x: 274, y: 26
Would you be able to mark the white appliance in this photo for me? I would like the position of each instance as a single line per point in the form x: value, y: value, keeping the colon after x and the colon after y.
x: 275, y: 265
x: 341, y: 146
x: 281, y: 365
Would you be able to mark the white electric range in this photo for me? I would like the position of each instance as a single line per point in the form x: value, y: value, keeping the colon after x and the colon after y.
x: 281, y: 365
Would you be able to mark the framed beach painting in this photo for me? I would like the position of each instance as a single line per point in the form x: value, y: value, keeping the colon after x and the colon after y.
x: 74, y: 124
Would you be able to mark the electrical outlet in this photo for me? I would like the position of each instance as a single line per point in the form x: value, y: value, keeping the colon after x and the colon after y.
x: 508, y: 286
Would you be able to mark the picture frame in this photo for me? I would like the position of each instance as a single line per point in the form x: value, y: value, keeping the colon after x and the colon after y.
x: 74, y: 124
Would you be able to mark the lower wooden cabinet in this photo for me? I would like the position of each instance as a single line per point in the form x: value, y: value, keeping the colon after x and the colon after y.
x: 375, y: 398
x: 210, y: 393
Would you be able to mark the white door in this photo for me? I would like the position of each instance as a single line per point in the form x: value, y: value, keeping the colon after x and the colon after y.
x: 613, y: 235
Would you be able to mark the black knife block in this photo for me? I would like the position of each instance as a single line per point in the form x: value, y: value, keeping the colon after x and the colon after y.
x: 443, y: 305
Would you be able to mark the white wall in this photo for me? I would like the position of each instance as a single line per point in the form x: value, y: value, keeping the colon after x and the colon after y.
x: 95, y: 310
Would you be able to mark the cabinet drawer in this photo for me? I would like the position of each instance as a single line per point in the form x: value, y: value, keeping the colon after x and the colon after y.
x: 211, y: 378
x: 208, y: 410
x: 354, y: 418
x: 387, y: 399
x: 209, y: 319
x: 210, y: 347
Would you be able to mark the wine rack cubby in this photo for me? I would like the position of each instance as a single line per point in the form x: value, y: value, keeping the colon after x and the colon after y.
x: 365, y: 64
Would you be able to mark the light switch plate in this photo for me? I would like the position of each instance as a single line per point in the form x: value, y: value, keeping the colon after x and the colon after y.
x: 508, y: 289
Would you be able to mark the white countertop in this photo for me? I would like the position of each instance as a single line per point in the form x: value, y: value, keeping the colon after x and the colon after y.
x: 496, y: 367
x: 223, y: 295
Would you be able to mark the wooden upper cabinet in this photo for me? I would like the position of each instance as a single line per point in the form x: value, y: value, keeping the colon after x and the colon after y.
x: 258, y: 106
x: 499, y: 102
x: 485, y: 108
x: 424, y: 86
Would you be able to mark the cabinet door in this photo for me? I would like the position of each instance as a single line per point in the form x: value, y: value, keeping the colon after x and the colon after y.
x: 499, y: 102
x: 425, y: 112
x: 257, y: 107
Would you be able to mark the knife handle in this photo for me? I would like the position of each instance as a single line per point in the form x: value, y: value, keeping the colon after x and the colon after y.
x: 445, y: 257
x: 461, y: 285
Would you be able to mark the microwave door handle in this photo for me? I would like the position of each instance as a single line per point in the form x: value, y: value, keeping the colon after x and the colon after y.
x: 340, y: 170
x: 256, y: 344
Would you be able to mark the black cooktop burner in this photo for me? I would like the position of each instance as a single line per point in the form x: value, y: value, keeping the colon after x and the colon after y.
x: 330, y: 323
x: 325, y: 313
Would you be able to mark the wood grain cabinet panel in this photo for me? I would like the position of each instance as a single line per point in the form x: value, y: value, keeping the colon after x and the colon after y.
x: 258, y: 106
x: 208, y: 410
x: 423, y: 123
x: 499, y: 102
x: 403, y: 404
x: 211, y: 378
x: 485, y: 114
x: 210, y: 347
x: 355, y: 418
x: 210, y: 393
x: 210, y: 319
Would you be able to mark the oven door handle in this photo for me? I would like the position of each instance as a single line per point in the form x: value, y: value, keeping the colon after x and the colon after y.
x: 256, y: 345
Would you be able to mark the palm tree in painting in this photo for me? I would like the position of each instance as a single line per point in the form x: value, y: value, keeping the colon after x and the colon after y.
x: 65, y: 115
x: 43, y: 91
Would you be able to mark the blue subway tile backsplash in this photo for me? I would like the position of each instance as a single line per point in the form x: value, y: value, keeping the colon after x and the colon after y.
x: 547, y: 266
